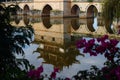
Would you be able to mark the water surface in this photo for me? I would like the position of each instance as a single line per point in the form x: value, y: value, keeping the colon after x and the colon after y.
x: 54, y: 44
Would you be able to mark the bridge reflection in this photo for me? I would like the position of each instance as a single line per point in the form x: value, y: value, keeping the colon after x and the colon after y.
x: 76, y: 25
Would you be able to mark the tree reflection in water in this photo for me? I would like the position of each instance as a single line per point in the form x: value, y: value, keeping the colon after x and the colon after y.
x: 12, y: 41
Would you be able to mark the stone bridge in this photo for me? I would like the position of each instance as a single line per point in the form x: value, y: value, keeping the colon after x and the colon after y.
x: 58, y: 8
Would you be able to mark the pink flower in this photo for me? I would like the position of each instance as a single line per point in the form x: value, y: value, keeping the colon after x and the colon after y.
x: 114, y: 50
x: 35, y: 74
x: 40, y: 69
x: 114, y: 42
x: 86, y: 50
x: 108, y: 56
x: 100, y: 49
x: 93, y: 53
x: 117, y: 72
x: 67, y: 78
x: 56, y: 69
x: 81, y: 43
x: 31, y: 73
x: 53, y: 75
x: 105, y: 37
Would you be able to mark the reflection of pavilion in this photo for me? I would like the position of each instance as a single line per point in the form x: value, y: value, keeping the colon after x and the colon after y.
x: 58, y: 56
x: 56, y: 44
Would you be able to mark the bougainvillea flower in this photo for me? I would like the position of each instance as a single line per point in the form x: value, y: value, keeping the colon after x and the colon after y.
x: 114, y: 42
x: 81, y: 43
x: 53, y: 75
x: 40, y: 69
x: 56, y: 69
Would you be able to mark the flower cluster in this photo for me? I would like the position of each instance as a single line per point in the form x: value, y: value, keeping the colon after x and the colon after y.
x: 102, y: 45
x: 111, y: 73
x: 107, y: 47
x: 36, y: 74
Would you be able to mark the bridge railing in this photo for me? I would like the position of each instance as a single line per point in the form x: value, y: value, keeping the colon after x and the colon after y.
x: 9, y: 1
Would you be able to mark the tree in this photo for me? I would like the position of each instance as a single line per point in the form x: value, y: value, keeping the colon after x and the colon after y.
x: 12, y: 41
x: 111, y: 10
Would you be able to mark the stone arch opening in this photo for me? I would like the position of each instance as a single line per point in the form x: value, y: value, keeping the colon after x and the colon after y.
x: 26, y: 9
x: 92, y: 12
x: 75, y: 10
x: 75, y: 24
x: 46, y: 11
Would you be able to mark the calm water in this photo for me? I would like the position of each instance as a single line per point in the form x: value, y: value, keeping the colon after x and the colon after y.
x: 54, y: 43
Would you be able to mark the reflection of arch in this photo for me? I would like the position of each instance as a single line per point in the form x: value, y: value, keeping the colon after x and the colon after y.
x: 46, y: 22
x: 108, y: 26
x: 46, y: 11
x: 3, y: 5
x: 17, y: 7
x: 2, y: 10
x: 26, y: 9
x: 17, y: 19
x: 75, y: 11
x: 90, y: 24
x: 12, y: 9
x: 75, y: 24
x: 26, y: 20
x: 92, y: 11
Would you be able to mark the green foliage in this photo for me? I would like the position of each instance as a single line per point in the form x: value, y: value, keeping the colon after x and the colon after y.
x: 111, y: 10
x: 90, y: 0
x: 12, y: 41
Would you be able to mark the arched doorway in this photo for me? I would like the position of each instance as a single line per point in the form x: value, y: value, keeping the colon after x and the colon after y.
x: 75, y: 11
x: 92, y: 12
x: 46, y: 11
x: 26, y: 9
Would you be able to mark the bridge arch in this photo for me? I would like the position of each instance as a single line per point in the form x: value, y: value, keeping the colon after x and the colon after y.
x: 46, y: 10
x: 75, y: 10
x: 26, y: 9
x: 91, y: 11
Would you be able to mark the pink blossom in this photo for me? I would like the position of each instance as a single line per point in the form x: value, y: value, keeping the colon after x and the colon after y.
x: 31, y: 73
x: 81, y: 43
x: 114, y: 42
x: 105, y: 37
x: 35, y: 73
x: 53, y: 75
x: 100, y: 49
x: 40, y: 69
x: 67, y: 78
x: 56, y: 69
x: 114, y: 50
x: 93, y: 53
